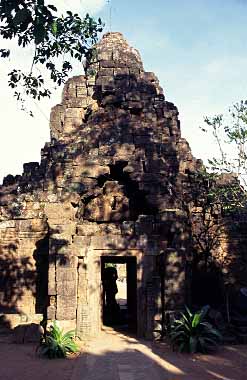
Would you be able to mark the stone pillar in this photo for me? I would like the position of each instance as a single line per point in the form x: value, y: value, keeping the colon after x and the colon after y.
x: 174, y: 279
x: 83, y: 316
x: 89, y: 296
x: 63, y: 261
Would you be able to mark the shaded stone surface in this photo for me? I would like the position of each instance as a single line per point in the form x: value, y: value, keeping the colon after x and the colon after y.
x: 117, y: 178
x: 28, y: 333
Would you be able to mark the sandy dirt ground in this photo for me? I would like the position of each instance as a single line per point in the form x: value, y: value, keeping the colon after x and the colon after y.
x: 117, y: 356
x: 20, y: 362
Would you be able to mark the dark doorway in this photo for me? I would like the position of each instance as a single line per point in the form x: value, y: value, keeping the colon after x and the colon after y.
x: 41, y: 256
x: 119, y: 292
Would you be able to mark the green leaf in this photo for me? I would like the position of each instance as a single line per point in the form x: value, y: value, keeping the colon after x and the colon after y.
x: 39, y: 32
x: 52, y: 7
x: 54, y: 27
x: 182, y: 347
x: 21, y: 16
x: 196, y: 320
x: 56, y: 344
x: 204, y: 311
x: 193, y: 344
x: 4, y: 53
x: 190, y: 333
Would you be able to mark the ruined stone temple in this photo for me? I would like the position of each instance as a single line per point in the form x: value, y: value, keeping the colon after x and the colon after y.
x: 114, y: 185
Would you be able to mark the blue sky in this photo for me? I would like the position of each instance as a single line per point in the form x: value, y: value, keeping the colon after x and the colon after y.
x: 196, y: 48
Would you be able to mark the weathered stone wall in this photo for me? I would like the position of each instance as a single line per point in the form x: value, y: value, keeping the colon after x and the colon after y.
x: 23, y: 249
x: 114, y: 180
x: 218, y: 260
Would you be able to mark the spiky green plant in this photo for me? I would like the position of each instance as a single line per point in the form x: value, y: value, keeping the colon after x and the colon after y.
x: 57, y: 344
x: 192, y: 333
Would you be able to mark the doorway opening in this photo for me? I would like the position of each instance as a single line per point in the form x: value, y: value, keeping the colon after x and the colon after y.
x: 119, y: 292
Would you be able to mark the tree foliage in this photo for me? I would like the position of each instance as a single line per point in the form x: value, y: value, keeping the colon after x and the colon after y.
x: 227, y: 173
x: 33, y: 24
x: 233, y: 133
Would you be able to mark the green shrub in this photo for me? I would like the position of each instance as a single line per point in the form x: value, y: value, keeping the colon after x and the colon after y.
x: 191, y: 333
x: 56, y: 344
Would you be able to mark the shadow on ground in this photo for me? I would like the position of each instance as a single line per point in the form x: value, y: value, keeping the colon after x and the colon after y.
x: 119, y: 356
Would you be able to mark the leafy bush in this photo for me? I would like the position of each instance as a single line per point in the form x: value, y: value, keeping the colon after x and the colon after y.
x: 191, y: 333
x: 56, y: 344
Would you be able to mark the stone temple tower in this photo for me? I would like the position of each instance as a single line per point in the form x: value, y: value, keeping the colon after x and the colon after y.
x: 113, y: 186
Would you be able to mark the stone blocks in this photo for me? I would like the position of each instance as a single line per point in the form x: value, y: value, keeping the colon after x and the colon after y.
x: 116, y: 179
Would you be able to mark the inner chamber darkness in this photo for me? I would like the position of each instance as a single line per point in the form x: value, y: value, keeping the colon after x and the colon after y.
x: 207, y: 287
x: 138, y: 203
x: 119, y: 299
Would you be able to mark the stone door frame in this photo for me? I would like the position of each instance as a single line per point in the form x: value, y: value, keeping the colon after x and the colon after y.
x: 138, y: 255
x: 91, y: 311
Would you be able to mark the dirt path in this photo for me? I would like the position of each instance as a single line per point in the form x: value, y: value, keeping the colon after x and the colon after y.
x: 20, y: 362
x: 116, y: 356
